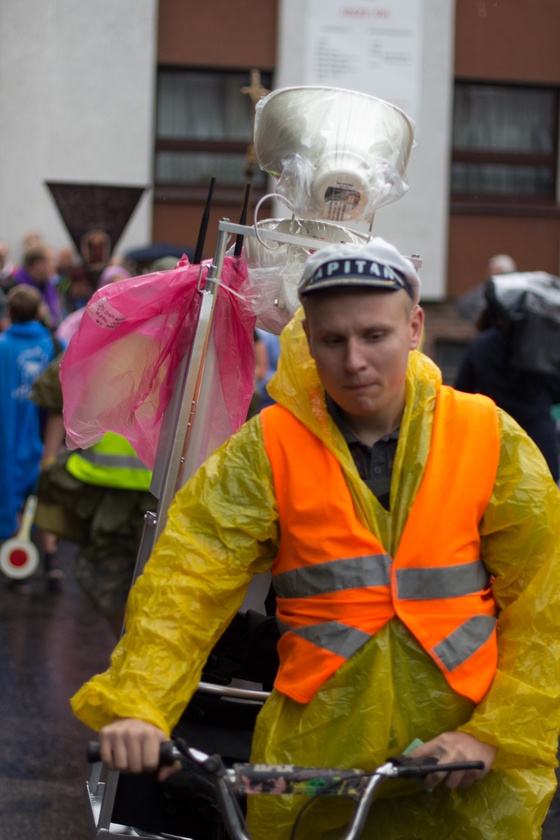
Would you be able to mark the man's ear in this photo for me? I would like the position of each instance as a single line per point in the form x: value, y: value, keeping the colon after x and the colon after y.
x: 305, y: 325
x: 417, y: 324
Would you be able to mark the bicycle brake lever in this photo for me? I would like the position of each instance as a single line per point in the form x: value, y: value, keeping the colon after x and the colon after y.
x: 212, y: 764
x: 407, y: 761
x: 414, y: 768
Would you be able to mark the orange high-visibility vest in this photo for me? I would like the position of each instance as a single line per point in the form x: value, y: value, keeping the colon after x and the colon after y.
x: 335, y: 583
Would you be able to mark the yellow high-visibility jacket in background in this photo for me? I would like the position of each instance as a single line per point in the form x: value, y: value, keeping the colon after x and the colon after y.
x: 223, y: 527
x: 110, y: 463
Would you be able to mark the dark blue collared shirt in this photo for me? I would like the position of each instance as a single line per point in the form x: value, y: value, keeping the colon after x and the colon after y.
x: 374, y: 463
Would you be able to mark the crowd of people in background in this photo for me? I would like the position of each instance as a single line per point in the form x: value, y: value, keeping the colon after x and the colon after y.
x: 97, y: 498
x: 42, y: 301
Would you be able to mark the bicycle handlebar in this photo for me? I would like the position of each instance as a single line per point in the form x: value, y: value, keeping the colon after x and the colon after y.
x: 247, y: 779
x: 264, y: 778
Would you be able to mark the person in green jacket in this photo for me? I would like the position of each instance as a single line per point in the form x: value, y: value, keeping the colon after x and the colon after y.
x: 95, y: 497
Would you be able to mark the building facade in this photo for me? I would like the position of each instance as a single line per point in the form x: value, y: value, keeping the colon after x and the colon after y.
x: 150, y: 93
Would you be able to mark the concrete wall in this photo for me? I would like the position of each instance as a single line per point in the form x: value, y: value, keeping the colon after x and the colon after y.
x: 77, y: 101
x: 417, y: 223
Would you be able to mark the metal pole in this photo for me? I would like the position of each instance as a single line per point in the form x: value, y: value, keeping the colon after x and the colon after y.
x: 173, y: 446
x: 179, y: 420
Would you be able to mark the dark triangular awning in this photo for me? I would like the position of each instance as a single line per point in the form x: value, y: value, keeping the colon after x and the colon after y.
x: 95, y: 207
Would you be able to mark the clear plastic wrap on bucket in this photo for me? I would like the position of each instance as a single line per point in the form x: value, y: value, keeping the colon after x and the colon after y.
x: 338, y: 154
x: 275, y: 268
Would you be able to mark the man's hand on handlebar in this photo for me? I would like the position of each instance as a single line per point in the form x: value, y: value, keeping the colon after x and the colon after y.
x: 456, y: 746
x: 132, y: 746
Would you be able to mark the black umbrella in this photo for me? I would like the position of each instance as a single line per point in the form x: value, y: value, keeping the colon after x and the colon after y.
x: 149, y: 253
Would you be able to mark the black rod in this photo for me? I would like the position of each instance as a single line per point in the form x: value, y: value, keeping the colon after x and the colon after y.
x: 242, y: 221
x: 204, y: 224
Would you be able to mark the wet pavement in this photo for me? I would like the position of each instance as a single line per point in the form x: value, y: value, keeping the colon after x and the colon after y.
x: 50, y: 643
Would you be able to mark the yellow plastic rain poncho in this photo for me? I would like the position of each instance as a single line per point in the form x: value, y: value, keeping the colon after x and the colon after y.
x: 222, y: 528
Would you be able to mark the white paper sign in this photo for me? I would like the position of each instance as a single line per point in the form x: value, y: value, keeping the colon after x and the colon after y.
x: 105, y: 314
x: 372, y: 46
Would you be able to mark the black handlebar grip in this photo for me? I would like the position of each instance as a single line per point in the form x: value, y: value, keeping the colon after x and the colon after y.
x: 419, y: 767
x: 167, y: 755
x: 429, y: 767
x: 93, y: 752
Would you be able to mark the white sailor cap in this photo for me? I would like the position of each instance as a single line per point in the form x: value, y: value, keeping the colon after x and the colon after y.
x: 375, y: 264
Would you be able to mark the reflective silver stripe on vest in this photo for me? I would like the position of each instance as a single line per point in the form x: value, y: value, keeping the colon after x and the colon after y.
x: 443, y: 582
x: 102, y: 459
x: 334, y: 576
x: 332, y: 635
x: 466, y: 640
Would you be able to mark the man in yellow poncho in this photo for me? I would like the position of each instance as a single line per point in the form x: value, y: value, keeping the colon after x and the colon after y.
x: 413, y: 535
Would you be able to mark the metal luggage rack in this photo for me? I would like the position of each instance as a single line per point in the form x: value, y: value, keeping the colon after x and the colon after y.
x: 175, y: 463
x: 176, y: 455
x: 101, y: 787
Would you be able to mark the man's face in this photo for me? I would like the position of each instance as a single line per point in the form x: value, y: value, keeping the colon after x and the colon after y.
x: 39, y: 271
x: 360, y: 341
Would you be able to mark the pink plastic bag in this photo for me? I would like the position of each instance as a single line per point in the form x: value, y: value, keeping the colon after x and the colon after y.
x: 119, y: 370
